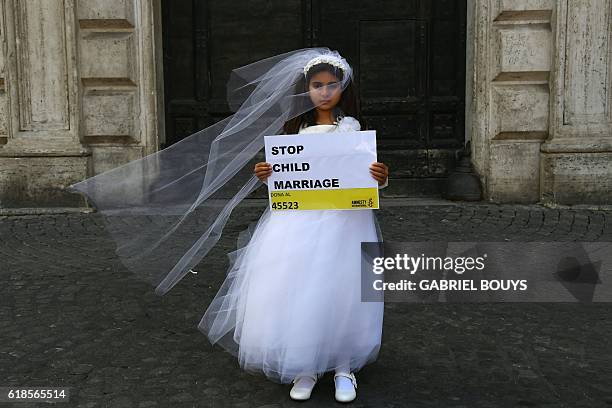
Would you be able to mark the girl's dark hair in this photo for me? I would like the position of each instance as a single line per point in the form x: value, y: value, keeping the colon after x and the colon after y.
x: 347, y: 106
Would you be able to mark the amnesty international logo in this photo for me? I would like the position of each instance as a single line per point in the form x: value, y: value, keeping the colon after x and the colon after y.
x: 360, y: 203
x: 369, y: 203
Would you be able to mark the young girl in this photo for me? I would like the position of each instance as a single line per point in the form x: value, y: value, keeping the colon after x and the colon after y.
x: 290, y: 306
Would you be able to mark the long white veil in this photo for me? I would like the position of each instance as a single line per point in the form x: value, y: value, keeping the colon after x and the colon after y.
x: 167, y: 210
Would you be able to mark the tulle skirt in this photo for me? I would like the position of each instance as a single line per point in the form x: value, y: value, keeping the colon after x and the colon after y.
x: 291, y: 301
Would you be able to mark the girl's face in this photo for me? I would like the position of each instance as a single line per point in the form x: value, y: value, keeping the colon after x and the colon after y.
x: 324, y: 90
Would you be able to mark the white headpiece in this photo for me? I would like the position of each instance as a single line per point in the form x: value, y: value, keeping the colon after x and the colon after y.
x: 327, y: 59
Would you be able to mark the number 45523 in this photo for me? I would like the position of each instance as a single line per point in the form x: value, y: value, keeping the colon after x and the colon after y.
x: 285, y: 205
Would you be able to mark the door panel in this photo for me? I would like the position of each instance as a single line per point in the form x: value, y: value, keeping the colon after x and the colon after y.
x: 205, y: 40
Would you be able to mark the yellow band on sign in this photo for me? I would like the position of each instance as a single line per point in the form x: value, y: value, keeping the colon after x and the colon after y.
x: 340, y: 199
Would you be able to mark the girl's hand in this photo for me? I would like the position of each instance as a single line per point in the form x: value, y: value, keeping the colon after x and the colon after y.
x: 263, y: 170
x: 380, y: 172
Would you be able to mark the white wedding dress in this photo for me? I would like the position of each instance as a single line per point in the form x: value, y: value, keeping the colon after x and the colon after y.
x: 291, y: 301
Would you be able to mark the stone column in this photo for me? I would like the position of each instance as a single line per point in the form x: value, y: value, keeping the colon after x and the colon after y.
x: 40, y: 126
x: 576, y: 162
x: 80, y: 93
x: 512, y: 48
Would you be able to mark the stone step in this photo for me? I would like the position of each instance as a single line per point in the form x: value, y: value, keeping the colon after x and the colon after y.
x: 415, y: 187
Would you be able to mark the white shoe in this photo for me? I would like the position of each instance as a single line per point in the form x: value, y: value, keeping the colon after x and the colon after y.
x: 303, y: 386
x: 345, y: 394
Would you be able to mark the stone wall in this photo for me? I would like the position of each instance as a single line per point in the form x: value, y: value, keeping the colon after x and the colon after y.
x: 576, y: 165
x: 541, y: 122
x: 81, y: 93
x: 78, y: 93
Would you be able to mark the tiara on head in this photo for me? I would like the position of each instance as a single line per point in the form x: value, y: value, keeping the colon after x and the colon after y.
x: 327, y: 59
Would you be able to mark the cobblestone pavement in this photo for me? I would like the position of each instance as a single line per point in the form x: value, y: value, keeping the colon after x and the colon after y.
x: 71, y: 316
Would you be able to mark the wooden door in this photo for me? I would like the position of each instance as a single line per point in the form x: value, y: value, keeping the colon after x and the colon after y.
x: 408, y: 57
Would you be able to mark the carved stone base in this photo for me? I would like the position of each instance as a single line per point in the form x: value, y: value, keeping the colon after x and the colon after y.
x: 40, y: 181
x: 514, y: 171
x: 576, y: 178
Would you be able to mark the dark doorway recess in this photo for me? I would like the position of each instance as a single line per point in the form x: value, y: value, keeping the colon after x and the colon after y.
x: 408, y: 56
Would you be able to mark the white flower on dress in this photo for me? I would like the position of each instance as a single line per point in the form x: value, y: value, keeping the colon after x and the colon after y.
x: 348, y: 123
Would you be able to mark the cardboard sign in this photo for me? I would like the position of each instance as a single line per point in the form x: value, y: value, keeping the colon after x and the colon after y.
x: 322, y: 171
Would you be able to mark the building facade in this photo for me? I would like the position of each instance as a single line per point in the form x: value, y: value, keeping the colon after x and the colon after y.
x: 82, y: 89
